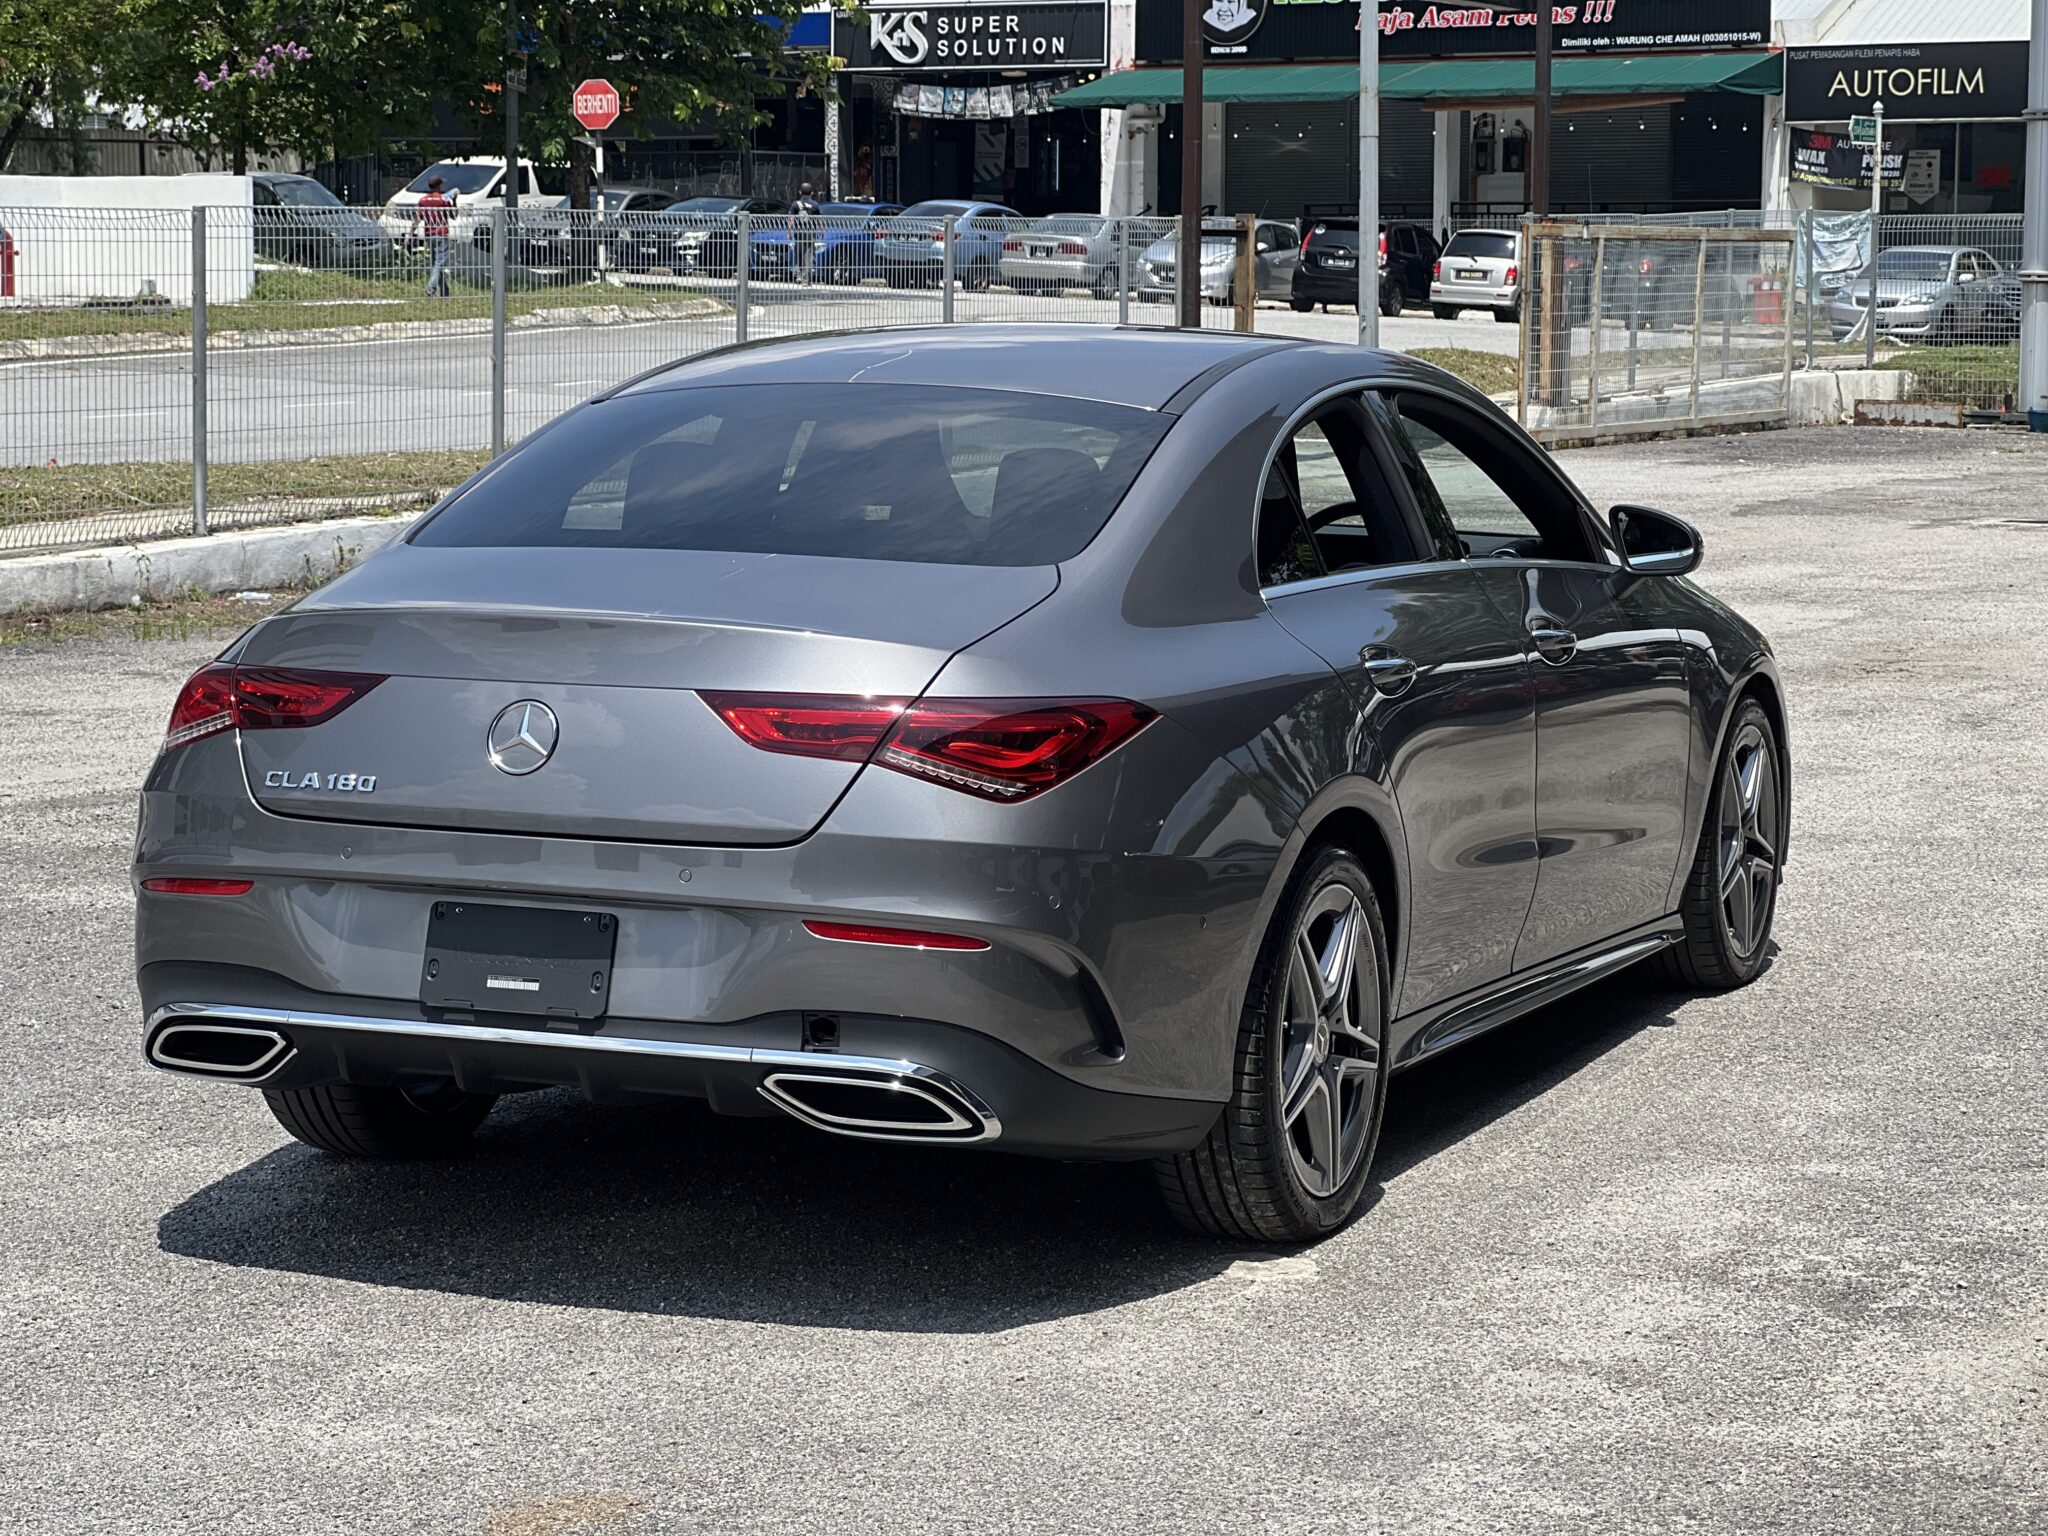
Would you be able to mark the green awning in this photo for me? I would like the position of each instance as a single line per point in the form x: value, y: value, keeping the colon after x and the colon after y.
x: 1459, y: 80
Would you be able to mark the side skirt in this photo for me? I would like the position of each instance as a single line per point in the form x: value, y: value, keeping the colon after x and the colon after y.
x: 1459, y: 1019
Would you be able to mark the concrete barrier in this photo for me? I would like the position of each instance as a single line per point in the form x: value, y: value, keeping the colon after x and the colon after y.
x: 296, y: 555
x: 1826, y: 397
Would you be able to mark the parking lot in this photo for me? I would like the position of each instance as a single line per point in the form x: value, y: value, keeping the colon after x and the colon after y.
x: 1771, y: 1260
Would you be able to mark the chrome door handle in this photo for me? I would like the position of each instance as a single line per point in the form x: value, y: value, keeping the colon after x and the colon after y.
x: 1391, y: 673
x: 1556, y: 646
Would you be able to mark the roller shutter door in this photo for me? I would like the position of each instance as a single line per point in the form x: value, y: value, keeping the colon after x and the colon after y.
x: 1279, y: 158
x: 1612, y: 162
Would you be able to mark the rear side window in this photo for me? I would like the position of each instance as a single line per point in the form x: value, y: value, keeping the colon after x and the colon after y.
x: 853, y: 471
x: 1345, y: 238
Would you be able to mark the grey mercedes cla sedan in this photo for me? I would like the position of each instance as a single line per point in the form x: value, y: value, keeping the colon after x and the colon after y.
x: 1092, y: 743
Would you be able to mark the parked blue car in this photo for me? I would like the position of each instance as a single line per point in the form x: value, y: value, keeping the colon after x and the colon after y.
x: 841, y: 240
x: 912, y: 246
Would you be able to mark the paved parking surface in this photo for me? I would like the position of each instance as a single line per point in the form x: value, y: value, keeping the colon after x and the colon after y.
x: 1644, y: 1262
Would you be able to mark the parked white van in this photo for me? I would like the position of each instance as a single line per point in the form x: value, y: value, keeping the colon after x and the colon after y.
x: 476, y: 183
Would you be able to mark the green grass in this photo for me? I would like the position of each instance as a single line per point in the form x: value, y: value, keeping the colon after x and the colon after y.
x: 193, y: 616
x: 82, y: 490
x: 293, y: 299
x: 1977, y: 378
x: 1491, y: 373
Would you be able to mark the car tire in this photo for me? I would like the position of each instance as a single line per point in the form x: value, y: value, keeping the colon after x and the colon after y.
x: 1108, y: 282
x: 429, y: 1120
x: 1444, y: 311
x: 1512, y: 315
x: 839, y: 269
x: 1268, y: 1173
x: 1301, y: 306
x: 1392, y: 301
x: 1731, y: 893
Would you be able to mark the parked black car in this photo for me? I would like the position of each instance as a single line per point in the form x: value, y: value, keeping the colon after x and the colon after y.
x: 570, y: 240
x: 697, y: 235
x: 1328, y: 270
x: 301, y: 223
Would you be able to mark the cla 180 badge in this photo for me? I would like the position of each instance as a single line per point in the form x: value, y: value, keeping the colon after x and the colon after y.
x: 340, y: 783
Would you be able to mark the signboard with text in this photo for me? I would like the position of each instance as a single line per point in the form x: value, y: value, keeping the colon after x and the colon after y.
x: 895, y: 37
x: 1831, y: 160
x: 1257, y: 30
x: 596, y: 105
x: 1925, y: 82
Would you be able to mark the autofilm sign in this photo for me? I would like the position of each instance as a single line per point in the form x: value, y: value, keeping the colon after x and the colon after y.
x: 1831, y: 160
x: 1924, y: 81
x: 1328, y: 29
x: 970, y: 35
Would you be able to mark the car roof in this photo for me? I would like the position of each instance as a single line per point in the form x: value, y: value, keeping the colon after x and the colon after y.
x: 1929, y: 250
x: 1138, y: 365
x: 1504, y: 233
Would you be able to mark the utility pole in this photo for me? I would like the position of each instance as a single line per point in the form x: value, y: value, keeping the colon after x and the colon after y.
x: 515, y: 85
x: 2034, y: 233
x: 1189, y: 266
x: 1539, y: 142
x: 1368, y: 173
x: 1876, y: 214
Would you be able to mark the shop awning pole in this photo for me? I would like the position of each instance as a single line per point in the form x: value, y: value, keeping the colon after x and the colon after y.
x: 1188, y: 270
x: 2034, y: 233
x: 1368, y: 173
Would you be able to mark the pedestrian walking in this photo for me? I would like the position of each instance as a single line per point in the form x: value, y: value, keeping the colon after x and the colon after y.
x: 803, y: 232
x: 430, y: 214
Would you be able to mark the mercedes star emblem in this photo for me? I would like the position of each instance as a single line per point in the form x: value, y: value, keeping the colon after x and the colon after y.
x: 523, y: 736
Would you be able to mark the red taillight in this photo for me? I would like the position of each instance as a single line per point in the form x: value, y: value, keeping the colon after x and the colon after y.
x: 1646, y: 266
x: 1514, y: 276
x: 906, y: 938
x: 1304, y: 243
x: 1008, y: 749
x: 1073, y: 248
x: 1000, y: 749
x: 1436, y: 271
x: 1013, y: 245
x: 847, y: 728
x: 178, y: 885
x: 220, y: 697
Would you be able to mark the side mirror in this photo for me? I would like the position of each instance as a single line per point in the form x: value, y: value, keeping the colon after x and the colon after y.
x: 1655, y: 543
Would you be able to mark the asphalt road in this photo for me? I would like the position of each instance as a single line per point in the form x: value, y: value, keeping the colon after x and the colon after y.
x: 1769, y: 1261
x: 423, y: 396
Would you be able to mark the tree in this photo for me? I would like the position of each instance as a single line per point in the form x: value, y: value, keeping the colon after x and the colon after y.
x: 48, y: 58
x: 674, y: 61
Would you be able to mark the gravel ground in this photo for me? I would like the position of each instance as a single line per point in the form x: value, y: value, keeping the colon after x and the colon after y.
x: 1643, y: 1262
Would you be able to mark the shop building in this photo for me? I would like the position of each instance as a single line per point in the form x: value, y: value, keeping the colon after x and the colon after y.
x: 955, y: 99
x: 1661, y: 106
x: 1953, y: 80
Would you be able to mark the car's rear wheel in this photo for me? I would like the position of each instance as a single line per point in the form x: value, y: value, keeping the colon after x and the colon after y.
x: 429, y: 1118
x: 1300, y: 305
x: 1288, y: 1158
x: 1392, y: 299
x: 1443, y: 311
x: 1731, y: 895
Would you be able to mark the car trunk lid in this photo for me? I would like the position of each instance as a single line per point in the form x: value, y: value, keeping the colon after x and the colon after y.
x: 615, y: 645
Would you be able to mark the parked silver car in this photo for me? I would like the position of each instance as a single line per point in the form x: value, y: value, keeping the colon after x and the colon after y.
x: 1937, y: 293
x: 1075, y: 250
x: 1478, y: 269
x: 1277, y: 252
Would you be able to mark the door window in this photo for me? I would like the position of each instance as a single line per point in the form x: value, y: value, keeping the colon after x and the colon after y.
x: 1324, y: 507
x: 1475, y: 480
x: 1268, y: 237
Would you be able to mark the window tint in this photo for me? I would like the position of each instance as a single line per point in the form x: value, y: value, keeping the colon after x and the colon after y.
x: 466, y: 180
x: 1473, y: 243
x: 863, y: 472
x: 1475, y: 480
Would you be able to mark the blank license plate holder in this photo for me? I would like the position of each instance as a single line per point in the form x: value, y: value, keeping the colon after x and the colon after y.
x: 546, y: 961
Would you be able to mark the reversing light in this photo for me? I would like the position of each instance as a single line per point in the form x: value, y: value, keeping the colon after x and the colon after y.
x: 181, y: 885
x: 901, y: 938
x: 221, y: 696
x: 1514, y: 276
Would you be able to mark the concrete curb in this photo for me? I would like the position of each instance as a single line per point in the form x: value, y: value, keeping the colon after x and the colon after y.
x: 1826, y: 397
x: 266, y: 558
x: 129, y: 344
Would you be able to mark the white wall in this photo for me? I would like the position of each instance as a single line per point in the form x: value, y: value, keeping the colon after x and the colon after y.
x: 116, y: 237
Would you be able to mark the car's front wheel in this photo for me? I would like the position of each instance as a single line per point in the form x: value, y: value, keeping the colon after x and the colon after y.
x: 1288, y: 1158
x: 429, y: 1118
x: 1731, y: 895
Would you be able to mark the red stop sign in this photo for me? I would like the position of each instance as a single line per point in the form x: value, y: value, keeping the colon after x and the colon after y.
x: 597, y: 104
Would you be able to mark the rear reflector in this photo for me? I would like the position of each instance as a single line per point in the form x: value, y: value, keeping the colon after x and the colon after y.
x: 178, y: 885
x: 842, y: 727
x: 903, y: 938
x: 999, y: 749
x: 220, y: 697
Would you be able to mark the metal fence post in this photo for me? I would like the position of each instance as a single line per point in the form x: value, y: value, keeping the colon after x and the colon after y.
x: 1593, y: 361
x: 1806, y: 255
x: 1244, y: 286
x: 947, y: 263
x: 1535, y: 284
x: 1123, y: 271
x: 199, y: 370
x: 1699, y: 290
x: 742, y: 265
x: 500, y: 238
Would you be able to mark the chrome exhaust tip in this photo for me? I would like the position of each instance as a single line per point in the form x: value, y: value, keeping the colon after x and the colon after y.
x: 901, y: 1102
x: 239, y: 1053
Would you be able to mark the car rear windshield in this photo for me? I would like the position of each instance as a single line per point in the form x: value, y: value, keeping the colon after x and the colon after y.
x: 854, y: 471
x: 1472, y: 243
x: 1070, y: 224
x: 1344, y: 235
x: 465, y: 180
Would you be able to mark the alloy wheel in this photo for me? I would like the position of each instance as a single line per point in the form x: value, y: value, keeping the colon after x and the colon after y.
x: 1749, y: 840
x: 1329, y: 1041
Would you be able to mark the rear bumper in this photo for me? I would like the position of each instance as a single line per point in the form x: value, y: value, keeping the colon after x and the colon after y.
x: 955, y: 1086
x: 1071, y: 272
x: 1473, y: 295
x: 1327, y: 287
